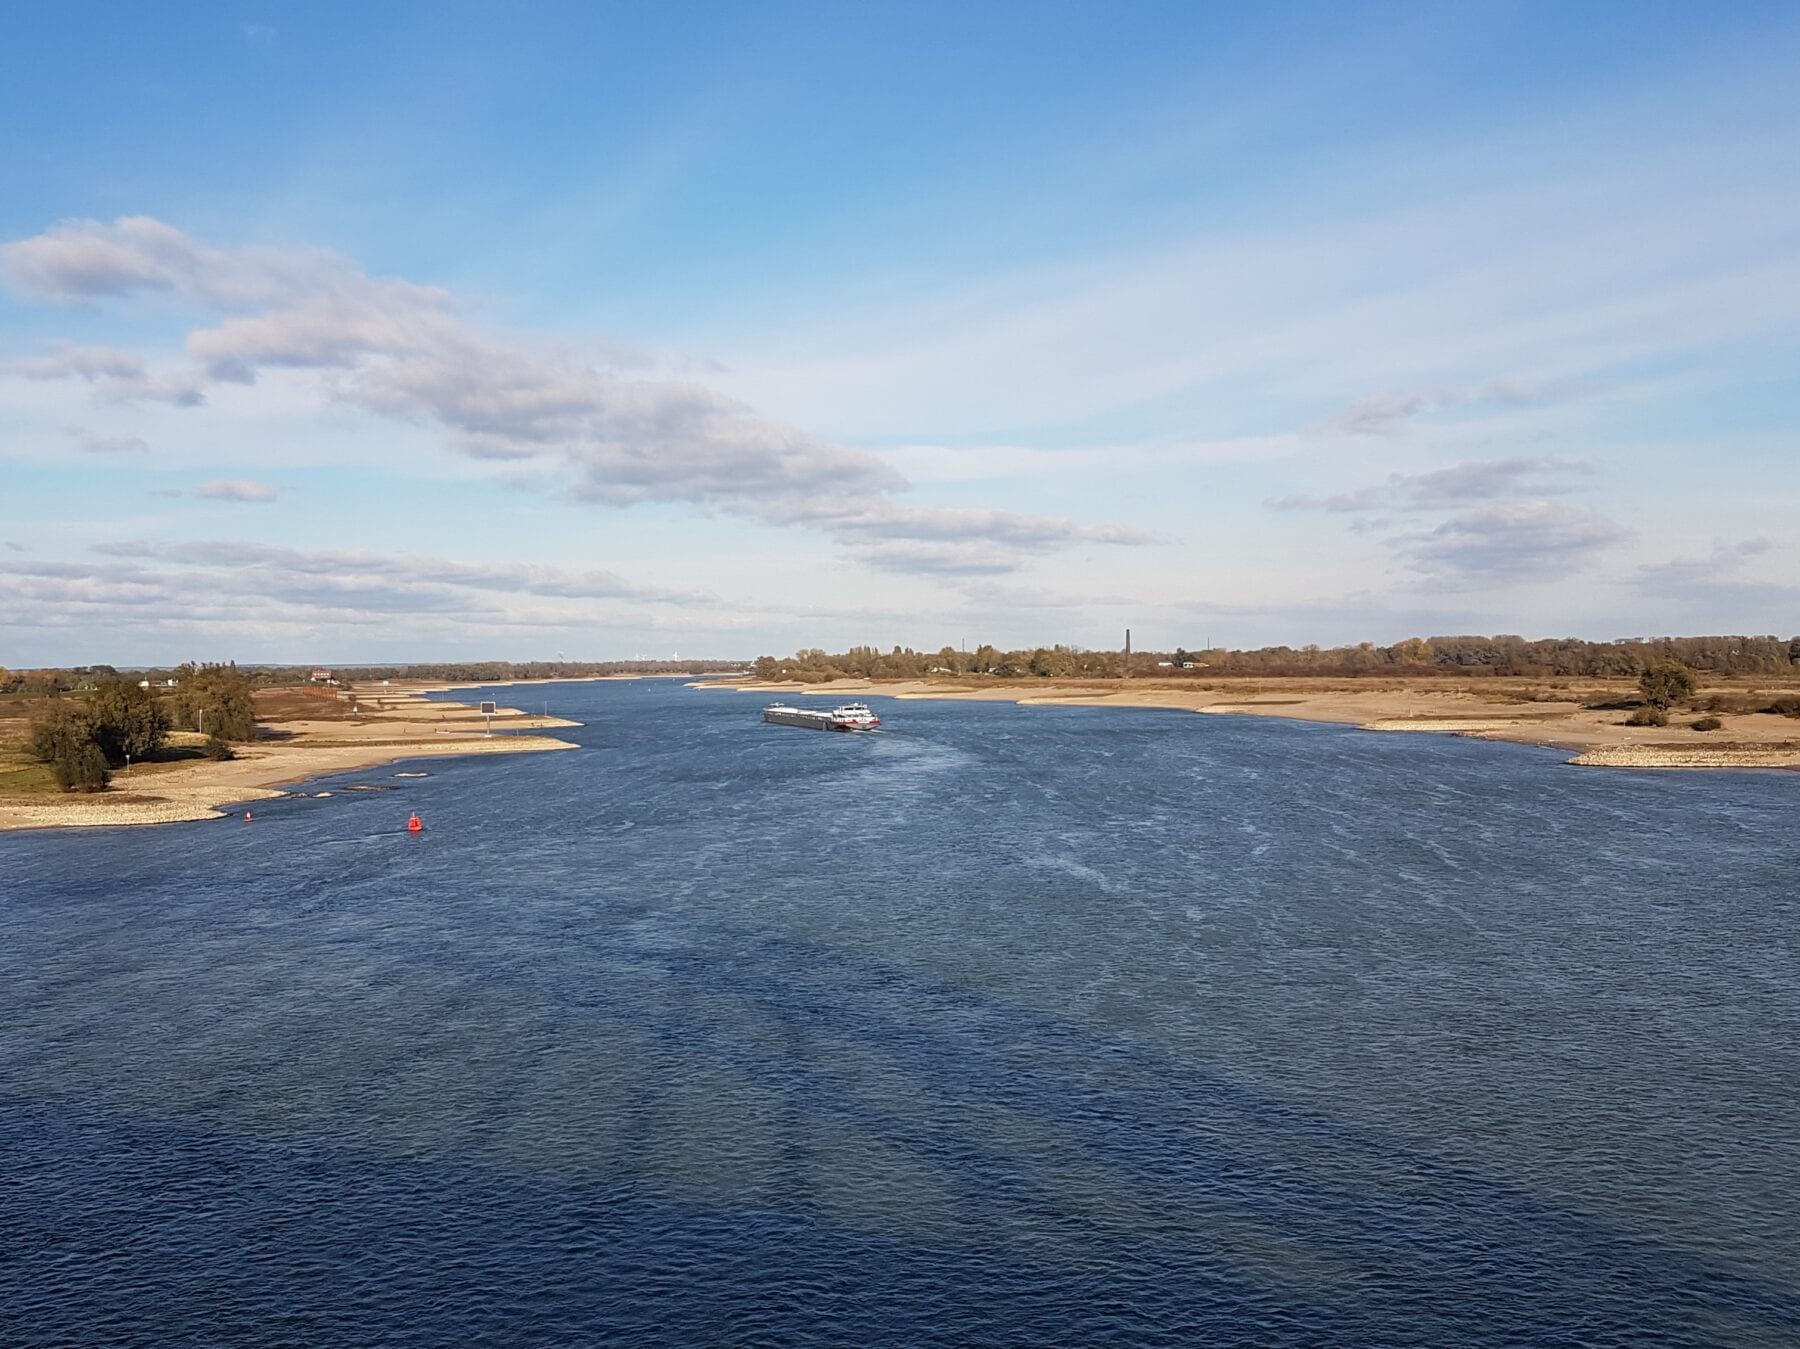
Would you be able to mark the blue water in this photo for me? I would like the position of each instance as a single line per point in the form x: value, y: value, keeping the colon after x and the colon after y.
x: 1003, y: 1026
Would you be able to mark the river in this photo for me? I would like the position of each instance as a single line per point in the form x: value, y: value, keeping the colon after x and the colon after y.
x: 1001, y: 1025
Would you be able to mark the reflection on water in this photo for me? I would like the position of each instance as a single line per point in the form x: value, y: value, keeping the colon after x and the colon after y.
x: 1002, y: 1025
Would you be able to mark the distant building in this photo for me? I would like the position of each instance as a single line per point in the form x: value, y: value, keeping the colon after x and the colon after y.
x: 322, y: 677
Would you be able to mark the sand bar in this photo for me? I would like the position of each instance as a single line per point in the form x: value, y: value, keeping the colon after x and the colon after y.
x: 388, y: 724
x: 1485, y: 709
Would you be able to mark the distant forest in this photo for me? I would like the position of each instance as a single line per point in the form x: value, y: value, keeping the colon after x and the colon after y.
x: 1563, y: 656
x: 1415, y: 656
x: 45, y: 682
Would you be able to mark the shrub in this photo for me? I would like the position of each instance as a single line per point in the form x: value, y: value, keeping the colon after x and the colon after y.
x: 82, y: 769
x: 1784, y: 707
x: 1708, y: 724
x: 217, y: 747
x: 1667, y: 682
x: 1648, y: 716
x: 63, y: 737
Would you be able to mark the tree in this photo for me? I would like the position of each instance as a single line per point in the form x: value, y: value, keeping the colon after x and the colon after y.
x: 1667, y: 682
x: 215, y: 699
x: 128, y: 722
x: 59, y: 729
x: 63, y: 737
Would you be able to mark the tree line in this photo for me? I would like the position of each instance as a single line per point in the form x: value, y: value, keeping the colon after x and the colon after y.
x: 502, y: 671
x: 113, y: 722
x: 1502, y: 655
x: 49, y: 682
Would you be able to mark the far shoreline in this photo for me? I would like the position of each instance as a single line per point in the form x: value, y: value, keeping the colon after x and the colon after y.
x: 1473, y: 709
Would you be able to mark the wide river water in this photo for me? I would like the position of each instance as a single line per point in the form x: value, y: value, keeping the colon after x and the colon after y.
x: 1000, y: 1026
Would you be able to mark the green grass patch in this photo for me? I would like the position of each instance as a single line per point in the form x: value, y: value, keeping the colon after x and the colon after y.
x: 24, y: 776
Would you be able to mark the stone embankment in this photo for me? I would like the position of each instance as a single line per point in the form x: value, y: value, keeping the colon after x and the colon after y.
x: 1683, y: 756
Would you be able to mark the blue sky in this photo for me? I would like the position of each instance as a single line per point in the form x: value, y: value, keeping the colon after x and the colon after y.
x: 349, y: 333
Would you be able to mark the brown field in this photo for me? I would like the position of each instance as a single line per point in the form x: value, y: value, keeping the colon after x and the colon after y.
x: 19, y: 772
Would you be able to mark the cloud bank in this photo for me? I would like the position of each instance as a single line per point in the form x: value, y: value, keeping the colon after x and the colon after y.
x: 404, y: 351
x: 286, y: 596
x: 1503, y: 528
x: 1510, y: 541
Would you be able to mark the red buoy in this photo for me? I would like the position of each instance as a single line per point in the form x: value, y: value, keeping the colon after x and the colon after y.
x: 413, y: 823
x: 246, y: 817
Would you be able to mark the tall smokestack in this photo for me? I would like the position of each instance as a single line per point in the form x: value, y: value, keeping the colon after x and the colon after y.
x: 1127, y: 672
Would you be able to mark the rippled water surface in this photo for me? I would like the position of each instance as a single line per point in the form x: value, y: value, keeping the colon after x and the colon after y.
x: 1005, y: 1025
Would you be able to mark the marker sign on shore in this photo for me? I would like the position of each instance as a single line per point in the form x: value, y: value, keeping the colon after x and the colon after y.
x: 487, y: 710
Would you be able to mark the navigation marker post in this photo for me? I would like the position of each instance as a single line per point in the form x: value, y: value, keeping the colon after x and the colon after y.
x: 487, y: 710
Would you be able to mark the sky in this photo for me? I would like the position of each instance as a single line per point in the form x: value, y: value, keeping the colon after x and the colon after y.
x: 346, y: 333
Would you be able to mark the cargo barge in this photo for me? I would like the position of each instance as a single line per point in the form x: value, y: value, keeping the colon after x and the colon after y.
x: 847, y: 717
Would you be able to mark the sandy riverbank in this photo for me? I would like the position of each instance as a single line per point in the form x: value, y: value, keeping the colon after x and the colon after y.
x: 1486, y: 709
x: 388, y: 724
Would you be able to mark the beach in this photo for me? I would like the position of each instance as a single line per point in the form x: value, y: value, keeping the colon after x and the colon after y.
x: 1519, y: 711
x: 311, y: 733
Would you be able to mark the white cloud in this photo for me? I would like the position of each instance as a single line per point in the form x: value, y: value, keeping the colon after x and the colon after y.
x: 939, y: 559
x: 1380, y: 414
x: 362, y: 567
x: 1510, y: 541
x: 1502, y: 531
x: 115, y: 376
x: 78, y: 262
x: 1718, y: 583
x: 234, y: 489
x: 1455, y: 484
x: 90, y: 442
